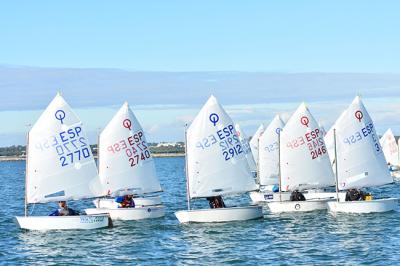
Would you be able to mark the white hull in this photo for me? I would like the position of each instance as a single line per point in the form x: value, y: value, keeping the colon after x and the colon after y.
x: 297, y: 206
x: 316, y: 195
x: 64, y: 222
x: 110, y: 202
x: 268, y: 196
x: 365, y: 206
x: 219, y: 215
x: 395, y: 175
x: 130, y: 213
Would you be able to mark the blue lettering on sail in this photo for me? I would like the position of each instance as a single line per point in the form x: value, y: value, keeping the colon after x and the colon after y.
x: 69, y: 145
x: 366, y: 131
x: 227, y: 140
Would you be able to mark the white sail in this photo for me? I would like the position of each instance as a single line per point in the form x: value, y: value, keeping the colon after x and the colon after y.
x: 246, y: 148
x: 215, y: 158
x: 254, y: 142
x: 360, y: 158
x: 390, y: 148
x: 304, y: 157
x: 125, y: 163
x: 60, y: 163
x: 269, y: 152
x: 398, y: 145
x: 322, y: 128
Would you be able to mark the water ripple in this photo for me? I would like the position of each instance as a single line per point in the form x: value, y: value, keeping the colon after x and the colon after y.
x: 285, y: 239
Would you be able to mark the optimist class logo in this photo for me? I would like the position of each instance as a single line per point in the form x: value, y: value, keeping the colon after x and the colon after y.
x: 60, y: 115
x: 304, y: 121
x: 214, y: 118
x: 359, y: 115
x: 127, y: 124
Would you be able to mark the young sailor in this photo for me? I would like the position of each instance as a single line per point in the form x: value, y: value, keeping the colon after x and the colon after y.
x: 63, y: 210
x: 216, y: 202
x: 125, y: 201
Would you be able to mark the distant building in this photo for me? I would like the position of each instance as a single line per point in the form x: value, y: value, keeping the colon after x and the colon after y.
x: 170, y: 144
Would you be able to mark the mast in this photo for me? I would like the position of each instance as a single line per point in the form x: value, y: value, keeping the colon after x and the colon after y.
x: 279, y: 166
x: 336, y: 168
x: 186, y: 171
x: 98, y: 163
x: 26, y: 175
x: 258, y: 164
x: 98, y: 150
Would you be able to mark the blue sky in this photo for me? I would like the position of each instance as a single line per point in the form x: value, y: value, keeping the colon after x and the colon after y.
x: 299, y: 36
x: 166, y: 57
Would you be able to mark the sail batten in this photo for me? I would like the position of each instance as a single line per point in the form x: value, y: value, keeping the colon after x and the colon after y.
x: 215, y: 159
x: 60, y: 162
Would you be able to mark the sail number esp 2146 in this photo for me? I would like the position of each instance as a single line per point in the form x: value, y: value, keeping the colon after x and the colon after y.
x: 314, y: 142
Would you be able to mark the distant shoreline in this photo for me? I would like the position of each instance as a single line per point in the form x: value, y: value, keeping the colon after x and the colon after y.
x: 155, y: 155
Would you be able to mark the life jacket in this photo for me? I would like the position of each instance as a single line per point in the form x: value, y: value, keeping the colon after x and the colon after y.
x: 124, y: 203
x: 355, y: 195
x: 216, y: 202
x: 70, y: 212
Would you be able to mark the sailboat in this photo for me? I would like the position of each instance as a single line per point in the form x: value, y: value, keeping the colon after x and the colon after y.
x: 246, y: 148
x: 254, y: 143
x: 391, y: 152
x: 216, y: 166
x: 268, y: 163
x: 126, y: 167
x: 60, y: 167
x: 304, y: 162
x: 322, y: 128
x: 359, y: 160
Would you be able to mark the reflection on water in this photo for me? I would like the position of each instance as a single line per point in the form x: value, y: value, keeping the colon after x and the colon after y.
x: 304, y: 239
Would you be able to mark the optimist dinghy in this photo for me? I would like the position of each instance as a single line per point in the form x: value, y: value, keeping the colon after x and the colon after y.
x: 215, y: 166
x: 254, y: 143
x: 391, y: 152
x: 268, y: 164
x: 304, y: 162
x: 246, y: 148
x: 60, y: 167
x: 126, y: 167
x: 359, y: 161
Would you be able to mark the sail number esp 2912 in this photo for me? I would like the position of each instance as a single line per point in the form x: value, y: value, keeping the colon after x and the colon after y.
x: 226, y: 139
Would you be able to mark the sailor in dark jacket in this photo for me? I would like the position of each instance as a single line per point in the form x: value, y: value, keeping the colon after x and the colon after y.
x: 63, y: 210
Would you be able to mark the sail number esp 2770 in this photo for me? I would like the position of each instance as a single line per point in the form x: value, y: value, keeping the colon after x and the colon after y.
x: 69, y: 145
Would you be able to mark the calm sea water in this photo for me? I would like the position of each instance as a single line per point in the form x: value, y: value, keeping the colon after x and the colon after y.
x: 303, y: 239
